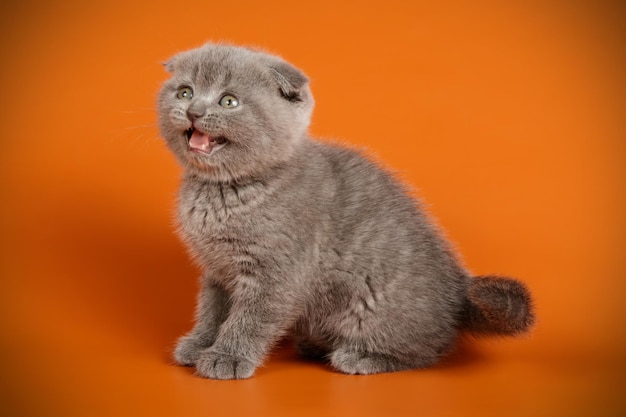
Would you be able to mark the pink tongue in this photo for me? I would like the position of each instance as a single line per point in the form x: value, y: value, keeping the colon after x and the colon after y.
x: 200, y: 141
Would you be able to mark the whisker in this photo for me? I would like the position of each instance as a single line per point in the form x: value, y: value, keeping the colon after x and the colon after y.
x: 139, y: 126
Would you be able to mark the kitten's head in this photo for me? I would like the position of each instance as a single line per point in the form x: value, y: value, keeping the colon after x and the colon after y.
x: 229, y: 113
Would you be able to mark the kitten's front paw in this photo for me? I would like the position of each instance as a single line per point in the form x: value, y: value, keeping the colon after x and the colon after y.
x: 188, y: 350
x: 221, y: 366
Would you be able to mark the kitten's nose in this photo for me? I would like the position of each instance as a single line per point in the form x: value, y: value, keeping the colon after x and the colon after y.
x: 193, y: 114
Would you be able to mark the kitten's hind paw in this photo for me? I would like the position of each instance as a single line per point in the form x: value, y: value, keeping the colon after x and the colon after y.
x: 364, y: 363
x: 188, y: 350
x: 215, y: 365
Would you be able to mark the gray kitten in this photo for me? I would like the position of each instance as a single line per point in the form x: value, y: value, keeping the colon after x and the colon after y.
x: 308, y: 239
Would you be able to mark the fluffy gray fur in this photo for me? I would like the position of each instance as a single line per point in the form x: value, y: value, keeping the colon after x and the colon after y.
x: 304, y: 238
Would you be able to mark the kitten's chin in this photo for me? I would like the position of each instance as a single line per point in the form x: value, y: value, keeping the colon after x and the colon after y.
x: 203, y: 144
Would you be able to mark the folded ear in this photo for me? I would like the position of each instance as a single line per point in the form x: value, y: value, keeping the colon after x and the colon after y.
x: 290, y: 80
x: 170, y: 64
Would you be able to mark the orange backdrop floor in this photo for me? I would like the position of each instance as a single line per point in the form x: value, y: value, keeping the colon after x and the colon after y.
x: 508, y: 117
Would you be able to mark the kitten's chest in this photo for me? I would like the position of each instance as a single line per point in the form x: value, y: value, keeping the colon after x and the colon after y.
x: 216, y: 220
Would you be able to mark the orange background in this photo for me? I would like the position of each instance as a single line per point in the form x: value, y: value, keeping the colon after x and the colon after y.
x: 507, y: 116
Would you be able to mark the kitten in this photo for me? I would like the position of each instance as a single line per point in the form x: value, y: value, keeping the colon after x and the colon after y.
x: 308, y: 239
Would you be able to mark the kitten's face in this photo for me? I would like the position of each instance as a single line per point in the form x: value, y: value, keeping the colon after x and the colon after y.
x: 229, y: 113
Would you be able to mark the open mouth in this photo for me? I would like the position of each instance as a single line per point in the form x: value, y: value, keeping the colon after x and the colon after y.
x: 203, y: 143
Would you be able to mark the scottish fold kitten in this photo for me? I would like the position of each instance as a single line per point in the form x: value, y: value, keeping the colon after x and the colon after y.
x: 301, y: 238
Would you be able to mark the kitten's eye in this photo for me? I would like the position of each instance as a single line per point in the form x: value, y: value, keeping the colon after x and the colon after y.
x: 185, y: 93
x: 229, y: 101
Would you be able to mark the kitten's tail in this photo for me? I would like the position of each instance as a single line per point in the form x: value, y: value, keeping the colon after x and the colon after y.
x: 498, y: 306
